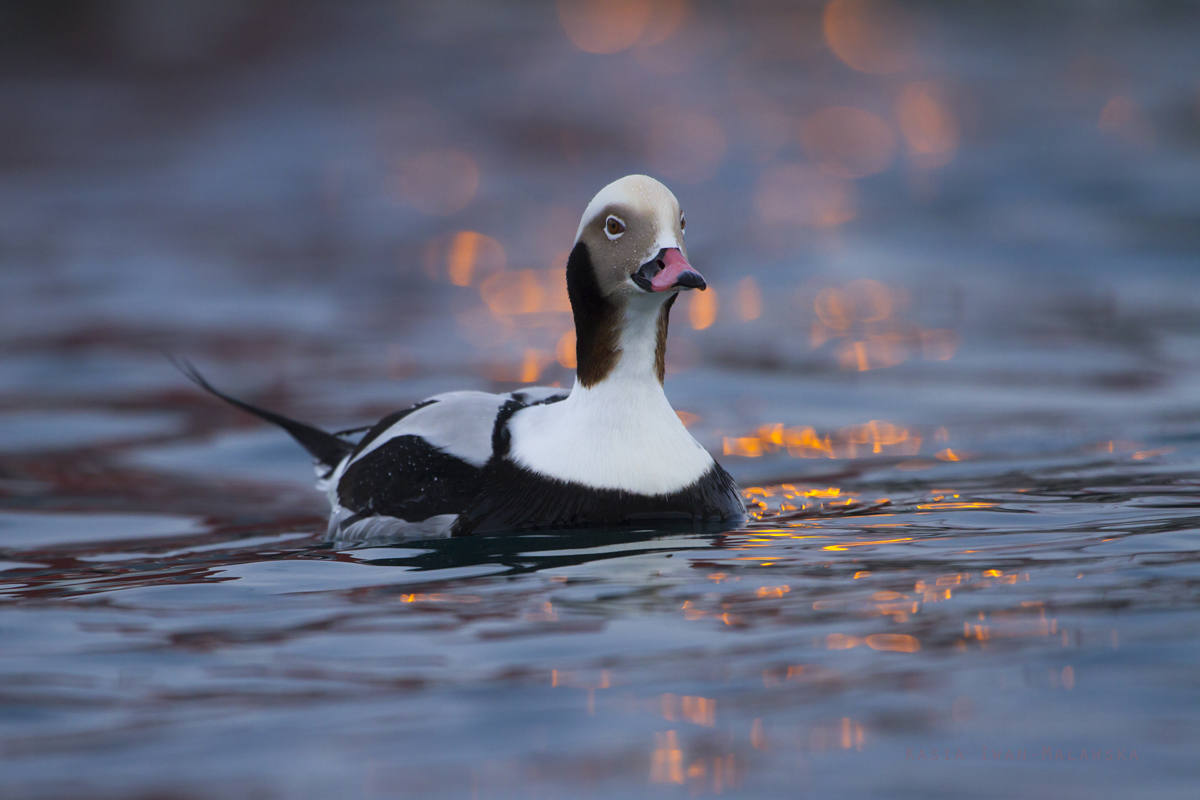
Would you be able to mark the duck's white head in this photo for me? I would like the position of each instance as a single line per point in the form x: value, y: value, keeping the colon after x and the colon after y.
x: 627, y: 267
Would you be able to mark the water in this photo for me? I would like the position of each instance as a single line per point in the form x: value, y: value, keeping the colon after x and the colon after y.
x: 961, y: 393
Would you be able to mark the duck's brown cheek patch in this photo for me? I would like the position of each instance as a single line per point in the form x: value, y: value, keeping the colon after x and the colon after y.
x: 639, y: 244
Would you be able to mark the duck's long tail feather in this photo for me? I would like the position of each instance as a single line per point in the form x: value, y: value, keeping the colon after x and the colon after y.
x: 324, y: 447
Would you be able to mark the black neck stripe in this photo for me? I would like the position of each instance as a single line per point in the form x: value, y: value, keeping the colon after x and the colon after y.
x: 597, y: 321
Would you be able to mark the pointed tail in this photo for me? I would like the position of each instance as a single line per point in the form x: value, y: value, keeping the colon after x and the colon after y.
x: 324, y: 447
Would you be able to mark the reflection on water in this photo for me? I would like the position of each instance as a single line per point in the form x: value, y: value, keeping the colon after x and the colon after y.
x: 1035, y: 607
x: 948, y: 350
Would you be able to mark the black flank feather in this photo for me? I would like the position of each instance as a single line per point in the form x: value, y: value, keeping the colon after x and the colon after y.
x: 513, y: 498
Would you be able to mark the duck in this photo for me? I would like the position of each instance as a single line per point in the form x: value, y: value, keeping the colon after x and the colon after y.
x: 609, y: 451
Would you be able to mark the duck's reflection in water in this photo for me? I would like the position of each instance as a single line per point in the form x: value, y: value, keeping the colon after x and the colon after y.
x: 531, y: 552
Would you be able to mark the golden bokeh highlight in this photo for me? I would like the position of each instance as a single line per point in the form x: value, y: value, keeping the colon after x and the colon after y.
x: 526, y: 306
x: 528, y: 369
x: 873, y: 353
x: 686, y: 145
x: 531, y: 365
x: 699, y: 710
x: 758, y: 737
x: 665, y: 17
x: 438, y: 182
x: 555, y: 283
x: 674, y: 42
x: 894, y: 642
x: 711, y: 774
x: 696, y: 710
x: 848, y: 142
x: 1142, y: 455
x: 702, y: 308
x: 874, y: 438
x: 864, y: 321
x: 796, y: 195
x: 749, y: 299
x: 929, y: 128
x: 834, y: 308
x: 471, y: 254
x: 939, y: 344
x: 666, y: 762
x: 869, y: 35
x: 564, y: 351
x: 873, y: 302
x: 785, y: 512
x: 762, y: 502
x: 604, y: 26
x: 519, y: 292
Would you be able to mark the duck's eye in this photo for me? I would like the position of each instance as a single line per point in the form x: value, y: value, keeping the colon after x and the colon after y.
x: 682, y: 222
x: 614, y: 227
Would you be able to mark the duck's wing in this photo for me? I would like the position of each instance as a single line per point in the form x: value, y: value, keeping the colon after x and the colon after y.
x: 424, y: 461
x: 459, y: 423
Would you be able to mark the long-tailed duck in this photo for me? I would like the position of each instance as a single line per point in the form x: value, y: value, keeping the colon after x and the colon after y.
x: 611, y: 451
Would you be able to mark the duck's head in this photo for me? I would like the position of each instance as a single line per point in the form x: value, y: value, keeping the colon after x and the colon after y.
x: 628, y: 265
x: 633, y: 232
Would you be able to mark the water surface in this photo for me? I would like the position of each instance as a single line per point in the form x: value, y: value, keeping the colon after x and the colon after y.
x: 956, y: 377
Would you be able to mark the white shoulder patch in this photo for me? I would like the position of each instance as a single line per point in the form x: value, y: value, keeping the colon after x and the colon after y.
x: 458, y: 423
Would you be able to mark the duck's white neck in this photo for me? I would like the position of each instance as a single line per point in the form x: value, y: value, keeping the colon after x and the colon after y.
x: 620, y: 432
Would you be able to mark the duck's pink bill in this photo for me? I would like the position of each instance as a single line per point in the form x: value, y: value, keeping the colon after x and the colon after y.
x: 674, y: 266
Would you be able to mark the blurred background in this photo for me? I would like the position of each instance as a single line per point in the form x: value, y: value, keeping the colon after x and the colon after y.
x: 953, y: 323
x: 905, y: 210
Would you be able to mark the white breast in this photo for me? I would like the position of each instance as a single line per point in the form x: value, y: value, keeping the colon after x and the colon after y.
x: 620, y: 433
x: 615, y: 435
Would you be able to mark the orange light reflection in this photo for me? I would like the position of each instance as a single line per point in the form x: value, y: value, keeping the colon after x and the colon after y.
x: 604, y: 26
x: 877, y: 437
x: 848, y: 545
x: 749, y: 299
x: 702, y: 308
x: 869, y: 35
x: 929, y: 127
x: 865, y: 321
x: 666, y: 763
